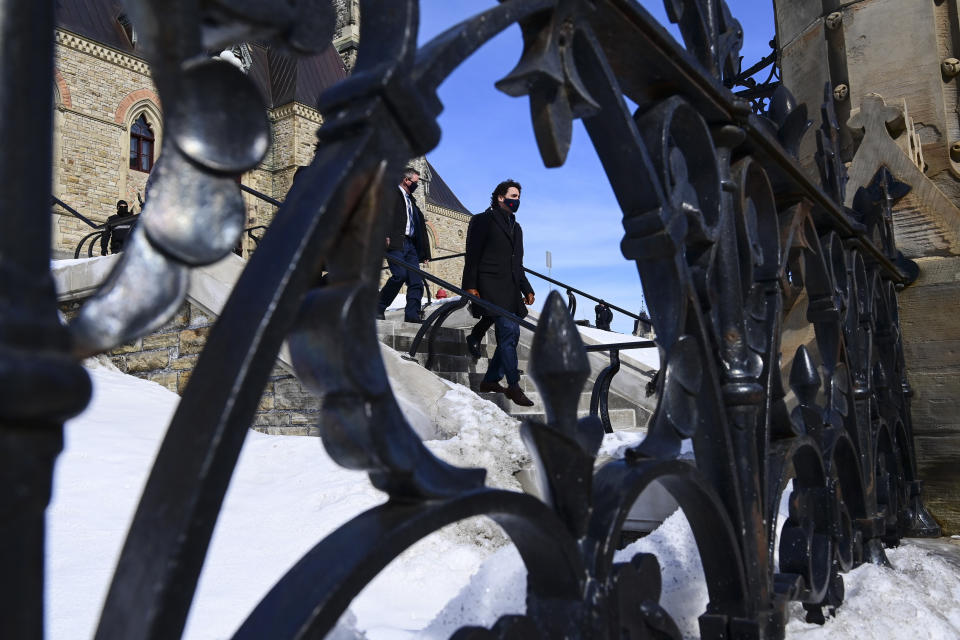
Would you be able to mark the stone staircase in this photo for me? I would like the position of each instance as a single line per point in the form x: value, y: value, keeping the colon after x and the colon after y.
x: 628, y: 409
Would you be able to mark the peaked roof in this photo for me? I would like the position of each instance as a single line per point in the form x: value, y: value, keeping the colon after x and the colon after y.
x: 94, y: 19
x: 284, y: 78
x: 281, y: 78
x: 442, y: 195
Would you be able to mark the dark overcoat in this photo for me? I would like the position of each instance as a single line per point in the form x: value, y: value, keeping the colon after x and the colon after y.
x: 398, y: 226
x: 494, y: 261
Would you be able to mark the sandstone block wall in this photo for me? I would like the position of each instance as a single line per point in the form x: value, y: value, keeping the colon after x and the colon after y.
x: 169, y: 356
x: 931, y: 333
x: 98, y: 92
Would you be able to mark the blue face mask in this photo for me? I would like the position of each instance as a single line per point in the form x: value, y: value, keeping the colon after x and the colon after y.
x: 512, y: 203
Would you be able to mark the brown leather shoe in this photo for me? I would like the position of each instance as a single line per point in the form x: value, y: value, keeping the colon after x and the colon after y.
x: 491, y: 387
x: 515, y: 393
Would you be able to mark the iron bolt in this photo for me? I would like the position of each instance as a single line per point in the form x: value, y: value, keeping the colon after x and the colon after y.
x: 950, y: 67
x: 834, y: 20
x: 955, y: 152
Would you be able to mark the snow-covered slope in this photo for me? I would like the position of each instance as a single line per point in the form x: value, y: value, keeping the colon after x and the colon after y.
x: 287, y: 494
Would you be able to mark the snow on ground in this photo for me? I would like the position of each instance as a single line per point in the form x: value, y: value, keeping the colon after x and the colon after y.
x: 287, y: 494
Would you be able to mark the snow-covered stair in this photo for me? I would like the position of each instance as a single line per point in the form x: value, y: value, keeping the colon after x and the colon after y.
x: 629, y: 408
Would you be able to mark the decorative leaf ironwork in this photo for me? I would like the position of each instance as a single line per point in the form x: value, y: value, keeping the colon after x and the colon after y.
x: 720, y: 261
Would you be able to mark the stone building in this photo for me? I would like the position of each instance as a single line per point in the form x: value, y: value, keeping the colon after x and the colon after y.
x: 109, y: 126
x: 892, y: 68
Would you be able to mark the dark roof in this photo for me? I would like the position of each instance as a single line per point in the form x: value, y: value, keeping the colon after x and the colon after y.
x: 94, y: 19
x: 442, y: 195
x: 283, y: 78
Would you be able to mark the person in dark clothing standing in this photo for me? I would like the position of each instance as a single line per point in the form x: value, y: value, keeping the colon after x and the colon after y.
x: 493, y: 270
x: 116, y: 229
x: 407, y: 240
x: 604, y: 316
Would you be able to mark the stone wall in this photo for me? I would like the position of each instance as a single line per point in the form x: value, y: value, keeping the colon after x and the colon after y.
x: 931, y: 334
x: 99, y: 91
x: 169, y: 355
x: 904, y: 53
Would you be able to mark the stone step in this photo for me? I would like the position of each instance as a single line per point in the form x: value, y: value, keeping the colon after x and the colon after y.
x: 453, y: 362
x: 440, y: 346
x: 583, y: 403
x: 620, y: 419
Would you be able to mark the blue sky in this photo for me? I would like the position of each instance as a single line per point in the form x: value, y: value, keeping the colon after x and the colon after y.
x: 571, y: 210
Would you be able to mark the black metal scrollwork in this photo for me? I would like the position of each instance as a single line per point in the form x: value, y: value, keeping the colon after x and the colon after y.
x: 727, y: 268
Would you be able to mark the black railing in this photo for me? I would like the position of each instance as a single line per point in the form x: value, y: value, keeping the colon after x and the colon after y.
x: 572, y: 303
x: 99, y: 229
x: 571, y: 299
x: 600, y: 396
x: 75, y: 213
x: 706, y: 188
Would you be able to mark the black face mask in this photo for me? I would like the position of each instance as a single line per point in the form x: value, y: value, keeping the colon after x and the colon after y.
x: 413, y: 186
x: 512, y: 203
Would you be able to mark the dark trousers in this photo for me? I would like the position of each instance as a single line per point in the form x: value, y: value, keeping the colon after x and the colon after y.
x: 400, y: 275
x: 504, y: 361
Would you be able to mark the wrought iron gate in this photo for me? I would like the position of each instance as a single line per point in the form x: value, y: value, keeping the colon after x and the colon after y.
x: 728, y: 233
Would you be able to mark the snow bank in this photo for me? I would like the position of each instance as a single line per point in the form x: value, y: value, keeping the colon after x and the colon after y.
x: 287, y: 494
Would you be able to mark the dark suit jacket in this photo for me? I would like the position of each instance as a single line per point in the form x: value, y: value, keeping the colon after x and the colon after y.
x: 494, y: 261
x: 398, y: 226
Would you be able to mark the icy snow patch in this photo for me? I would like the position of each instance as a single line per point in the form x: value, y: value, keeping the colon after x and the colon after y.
x: 684, y: 591
x: 497, y: 589
x: 485, y: 437
x: 916, y: 600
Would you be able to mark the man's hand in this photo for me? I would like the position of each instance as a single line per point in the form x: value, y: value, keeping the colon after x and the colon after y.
x: 528, y: 299
x: 388, y: 242
x: 427, y: 261
x: 473, y: 292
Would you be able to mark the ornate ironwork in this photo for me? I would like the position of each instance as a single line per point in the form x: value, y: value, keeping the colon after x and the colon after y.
x: 728, y: 234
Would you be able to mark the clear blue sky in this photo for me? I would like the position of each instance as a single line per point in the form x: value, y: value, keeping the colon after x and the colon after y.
x: 571, y: 210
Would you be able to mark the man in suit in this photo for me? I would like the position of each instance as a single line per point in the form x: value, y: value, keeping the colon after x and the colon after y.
x: 493, y: 271
x: 407, y: 240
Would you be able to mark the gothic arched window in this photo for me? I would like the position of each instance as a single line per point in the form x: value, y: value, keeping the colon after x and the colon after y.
x: 141, y: 145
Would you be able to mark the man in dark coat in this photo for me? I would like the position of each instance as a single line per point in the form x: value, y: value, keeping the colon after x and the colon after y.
x: 493, y: 270
x: 407, y: 240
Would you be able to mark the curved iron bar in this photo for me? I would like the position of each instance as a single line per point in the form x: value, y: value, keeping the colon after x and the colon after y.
x: 310, y: 598
x: 701, y: 220
x: 600, y: 397
x: 433, y: 324
x: 571, y: 303
x: 249, y: 231
x: 89, y: 236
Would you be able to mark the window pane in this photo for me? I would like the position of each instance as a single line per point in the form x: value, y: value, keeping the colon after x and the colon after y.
x: 146, y: 155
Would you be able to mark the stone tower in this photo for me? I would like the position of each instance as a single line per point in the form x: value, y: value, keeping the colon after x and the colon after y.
x: 347, y: 36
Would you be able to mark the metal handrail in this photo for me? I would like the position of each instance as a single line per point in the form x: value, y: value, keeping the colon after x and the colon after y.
x: 599, y: 396
x: 572, y: 303
x: 89, y: 236
x: 260, y: 195
x: 75, y: 213
x: 486, y: 304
